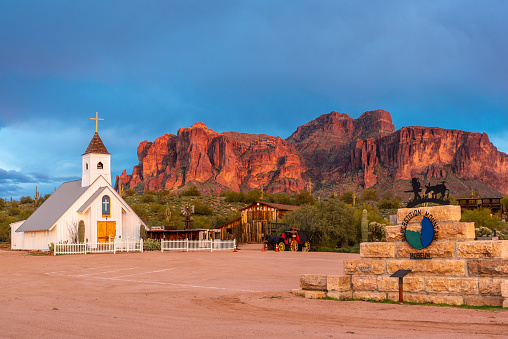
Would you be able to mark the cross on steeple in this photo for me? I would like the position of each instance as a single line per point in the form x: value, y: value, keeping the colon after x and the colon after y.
x: 96, y: 120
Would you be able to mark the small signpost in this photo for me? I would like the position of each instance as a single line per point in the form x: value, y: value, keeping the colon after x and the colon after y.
x: 400, y: 274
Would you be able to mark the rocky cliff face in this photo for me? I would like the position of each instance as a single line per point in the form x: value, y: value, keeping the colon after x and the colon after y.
x: 367, y: 150
x: 218, y: 161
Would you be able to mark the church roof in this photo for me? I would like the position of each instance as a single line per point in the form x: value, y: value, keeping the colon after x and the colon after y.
x: 52, y: 209
x: 96, y: 146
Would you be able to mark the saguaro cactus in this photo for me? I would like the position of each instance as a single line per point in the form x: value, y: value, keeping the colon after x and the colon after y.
x: 365, y: 227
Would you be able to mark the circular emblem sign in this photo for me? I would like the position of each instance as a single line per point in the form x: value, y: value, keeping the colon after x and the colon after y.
x: 421, y: 231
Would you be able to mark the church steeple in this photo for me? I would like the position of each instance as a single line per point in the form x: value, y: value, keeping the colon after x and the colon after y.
x: 96, y: 160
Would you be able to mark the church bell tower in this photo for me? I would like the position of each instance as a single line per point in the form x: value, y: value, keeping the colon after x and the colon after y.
x: 96, y: 160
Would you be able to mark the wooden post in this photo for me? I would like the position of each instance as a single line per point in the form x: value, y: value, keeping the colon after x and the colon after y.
x: 401, y: 293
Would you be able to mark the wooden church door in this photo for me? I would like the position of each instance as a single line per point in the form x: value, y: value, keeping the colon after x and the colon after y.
x: 105, y: 230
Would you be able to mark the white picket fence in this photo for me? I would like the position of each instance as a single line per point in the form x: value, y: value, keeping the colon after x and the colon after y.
x: 197, y: 245
x: 114, y: 246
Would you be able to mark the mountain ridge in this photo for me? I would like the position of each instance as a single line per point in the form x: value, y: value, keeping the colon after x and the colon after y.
x: 333, y: 151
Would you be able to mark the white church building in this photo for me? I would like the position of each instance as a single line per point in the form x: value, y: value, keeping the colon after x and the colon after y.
x: 89, y: 206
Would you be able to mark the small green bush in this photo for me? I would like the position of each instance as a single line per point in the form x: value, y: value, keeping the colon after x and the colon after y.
x: 151, y: 245
x: 147, y: 198
x: 191, y: 192
x: 26, y: 200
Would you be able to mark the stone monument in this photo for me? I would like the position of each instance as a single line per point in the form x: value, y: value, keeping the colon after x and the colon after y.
x: 447, y: 265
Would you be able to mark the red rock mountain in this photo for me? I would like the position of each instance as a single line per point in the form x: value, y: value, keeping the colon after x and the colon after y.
x: 330, y: 150
x: 218, y: 161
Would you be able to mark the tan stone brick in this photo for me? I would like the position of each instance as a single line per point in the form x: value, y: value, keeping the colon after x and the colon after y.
x: 487, y: 267
x: 483, y: 249
x: 428, y: 267
x: 393, y: 233
x: 489, y: 286
x: 339, y: 283
x: 411, y: 284
x: 455, y: 230
x: 364, y: 266
x: 387, y: 284
x: 425, y: 298
x: 364, y: 282
x: 451, y: 285
x: 341, y: 295
x: 377, y: 250
x: 298, y: 292
x: 437, y: 249
x: 504, y: 288
x: 367, y: 295
x: 312, y: 282
x: 505, y: 303
x: 480, y: 300
x: 440, y: 213
x: 315, y: 294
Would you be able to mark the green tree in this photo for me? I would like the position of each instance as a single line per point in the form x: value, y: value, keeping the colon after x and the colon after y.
x: 326, y: 223
x: 232, y: 196
x: 282, y: 198
x: 253, y: 196
x: 504, y: 202
x: 388, y: 204
x: 191, y: 192
x: 303, y: 198
x: 370, y: 195
x: 482, y: 217
x: 349, y: 197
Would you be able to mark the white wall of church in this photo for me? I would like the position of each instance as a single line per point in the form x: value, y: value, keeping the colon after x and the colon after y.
x: 39, y: 240
x: 17, y: 238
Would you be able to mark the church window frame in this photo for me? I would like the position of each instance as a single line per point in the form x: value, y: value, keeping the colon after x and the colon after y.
x: 86, y: 166
x: 106, y: 206
x: 100, y: 165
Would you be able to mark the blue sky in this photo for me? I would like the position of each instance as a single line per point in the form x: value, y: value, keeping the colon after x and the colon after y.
x: 151, y: 67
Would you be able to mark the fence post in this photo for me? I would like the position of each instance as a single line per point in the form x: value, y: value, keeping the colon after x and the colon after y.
x: 187, y: 244
x: 141, y: 245
x: 211, y: 245
x: 114, y: 245
x: 162, y: 245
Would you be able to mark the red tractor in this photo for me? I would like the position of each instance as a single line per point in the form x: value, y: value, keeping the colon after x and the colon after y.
x: 294, y: 240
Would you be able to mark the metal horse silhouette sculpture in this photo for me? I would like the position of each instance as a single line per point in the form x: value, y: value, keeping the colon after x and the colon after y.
x: 433, y: 191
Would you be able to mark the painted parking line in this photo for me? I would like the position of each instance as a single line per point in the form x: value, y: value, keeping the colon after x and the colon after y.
x: 121, y: 279
x: 80, y: 269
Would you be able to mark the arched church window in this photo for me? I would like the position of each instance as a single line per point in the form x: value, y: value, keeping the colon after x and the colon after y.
x: 86, y: 166
x: 100, y: 166
x: 106, y: 206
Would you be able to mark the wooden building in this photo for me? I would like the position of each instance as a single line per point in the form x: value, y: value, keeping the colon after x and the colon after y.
x: 494, y: 204
x: 257, y: 220
x: 171, y: 233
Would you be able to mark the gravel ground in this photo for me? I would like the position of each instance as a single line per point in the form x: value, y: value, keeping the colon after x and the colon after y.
x: 202, y: 294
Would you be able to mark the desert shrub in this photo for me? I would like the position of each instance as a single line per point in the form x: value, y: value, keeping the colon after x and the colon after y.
x: 377, y: 232
x: 303, y: 198
x: 147, y: 198
x: 349, y: 249
x: 157, y: 209
x: 232, y: 196
x: 129, y: 192
x: 482, y: 217
x: 191, y: 192
x: 201, y: 222
x: 370, y: 195
x: 13, y: 210
x: 349, y: 197
x: 203, y: 209
x: 388, y: 204
x: 282, y: 198
x: 26, y: 200
x: 151, y: 245
x: 482, y: 232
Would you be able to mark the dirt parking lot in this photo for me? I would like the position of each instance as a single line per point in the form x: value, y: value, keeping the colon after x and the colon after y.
x: 202, y: 294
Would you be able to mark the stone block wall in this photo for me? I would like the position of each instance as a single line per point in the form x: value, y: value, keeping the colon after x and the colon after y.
x: 457, y: 270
